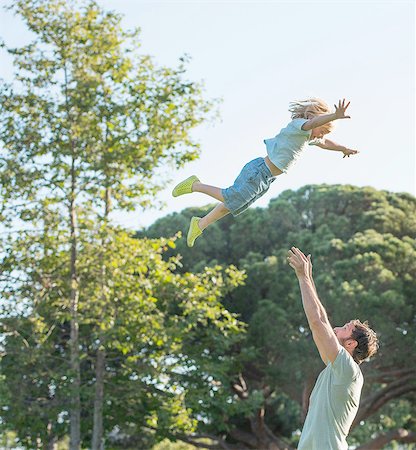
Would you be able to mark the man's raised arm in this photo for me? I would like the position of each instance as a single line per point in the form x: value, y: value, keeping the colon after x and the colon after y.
x: 322, y: 332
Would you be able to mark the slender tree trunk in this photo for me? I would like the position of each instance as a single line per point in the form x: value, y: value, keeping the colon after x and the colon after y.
x: 53, y: 444
x: 52, y: 440
x: 306, y: 392
x: 97, y: 435
x: 75, y: 401
x: 75, y: 412
x: 98, y: 428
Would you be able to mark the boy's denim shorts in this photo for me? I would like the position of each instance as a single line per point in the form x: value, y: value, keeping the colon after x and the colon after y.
x: 253, y: 181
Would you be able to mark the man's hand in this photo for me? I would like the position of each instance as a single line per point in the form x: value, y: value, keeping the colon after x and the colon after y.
x: 348, y: 152
x: 301, y: 264
x: 340, y: 110
x: 310, y: 268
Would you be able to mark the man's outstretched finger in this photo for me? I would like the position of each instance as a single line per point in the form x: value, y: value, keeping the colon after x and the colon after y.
x: 299, y: 253
x: 296, y: 251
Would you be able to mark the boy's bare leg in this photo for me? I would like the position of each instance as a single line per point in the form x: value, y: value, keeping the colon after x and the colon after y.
x: 215, y: 214
x: 212, y: 191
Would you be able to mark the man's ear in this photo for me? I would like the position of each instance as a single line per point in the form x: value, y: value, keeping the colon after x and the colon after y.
x: 351, y: 344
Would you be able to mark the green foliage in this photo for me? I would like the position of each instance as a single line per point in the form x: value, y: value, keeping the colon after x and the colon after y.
x: 364, y: 252
x: 85, y: 128
x: 167, y: 445
x: 163, y: 334
x: 84, y: 131
x: 83, y: 91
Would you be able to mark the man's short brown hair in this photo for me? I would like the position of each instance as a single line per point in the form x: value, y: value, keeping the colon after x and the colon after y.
x: 367, y: 341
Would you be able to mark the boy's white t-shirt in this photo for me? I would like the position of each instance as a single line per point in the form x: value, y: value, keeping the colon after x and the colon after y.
x: 285, y: 148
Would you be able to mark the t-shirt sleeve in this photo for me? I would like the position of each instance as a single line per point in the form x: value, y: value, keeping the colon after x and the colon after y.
x: 344, y: 367
x: 297, y: 124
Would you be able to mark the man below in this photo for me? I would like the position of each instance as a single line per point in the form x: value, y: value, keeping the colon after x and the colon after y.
x: 334, y: 400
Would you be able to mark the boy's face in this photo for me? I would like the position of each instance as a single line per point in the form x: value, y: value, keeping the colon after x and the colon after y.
x: 318, y: 133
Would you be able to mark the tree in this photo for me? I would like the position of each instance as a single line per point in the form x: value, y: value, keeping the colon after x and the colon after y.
x: 87, y: 125
x: 162, y: 334
x: 363, y: 246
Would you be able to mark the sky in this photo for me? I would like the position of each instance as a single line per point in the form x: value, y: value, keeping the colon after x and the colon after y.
x: 257, y: 56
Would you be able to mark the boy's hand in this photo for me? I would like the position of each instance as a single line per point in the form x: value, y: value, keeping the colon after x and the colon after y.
x: 340, y: 110
x: 348, y: 152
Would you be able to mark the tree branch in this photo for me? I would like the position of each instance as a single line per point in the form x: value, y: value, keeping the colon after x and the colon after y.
x: 383, y: 377
x: 219, y: 443
x: 241, y: 389
x: 277, y: 440
x: 400, y: 435
x: 374, y: 402
x: 243, y: 437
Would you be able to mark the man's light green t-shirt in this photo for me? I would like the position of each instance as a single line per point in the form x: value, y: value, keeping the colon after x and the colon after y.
x: 333, y: 405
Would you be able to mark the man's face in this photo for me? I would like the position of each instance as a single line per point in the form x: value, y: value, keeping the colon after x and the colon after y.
x: 344, y: 333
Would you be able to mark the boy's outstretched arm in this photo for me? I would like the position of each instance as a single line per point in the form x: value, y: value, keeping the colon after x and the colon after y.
x: 322, y: 119
x: 331, y: 145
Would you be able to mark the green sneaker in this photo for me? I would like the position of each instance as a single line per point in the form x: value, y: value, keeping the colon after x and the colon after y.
x: 194, y: 231
x: 184, y: 187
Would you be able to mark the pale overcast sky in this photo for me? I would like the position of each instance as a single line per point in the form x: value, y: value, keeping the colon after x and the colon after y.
x: 258, y: 56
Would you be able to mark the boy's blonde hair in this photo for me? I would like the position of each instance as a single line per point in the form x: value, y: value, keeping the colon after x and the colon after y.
x: 311, y: 107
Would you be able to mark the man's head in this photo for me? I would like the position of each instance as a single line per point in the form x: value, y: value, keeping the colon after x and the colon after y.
x: 358, y: 339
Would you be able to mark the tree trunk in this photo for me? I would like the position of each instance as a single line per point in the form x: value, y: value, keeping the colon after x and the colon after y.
x: 97, y: 434
x: 52, y: 440
x: 75, y: 410
x: 98, y: 428
x: 75, y: 401
x: 306, y: 393
x: 53, y: 443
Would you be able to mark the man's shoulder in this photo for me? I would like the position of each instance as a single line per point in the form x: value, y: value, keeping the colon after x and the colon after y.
x: 345, y: 367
